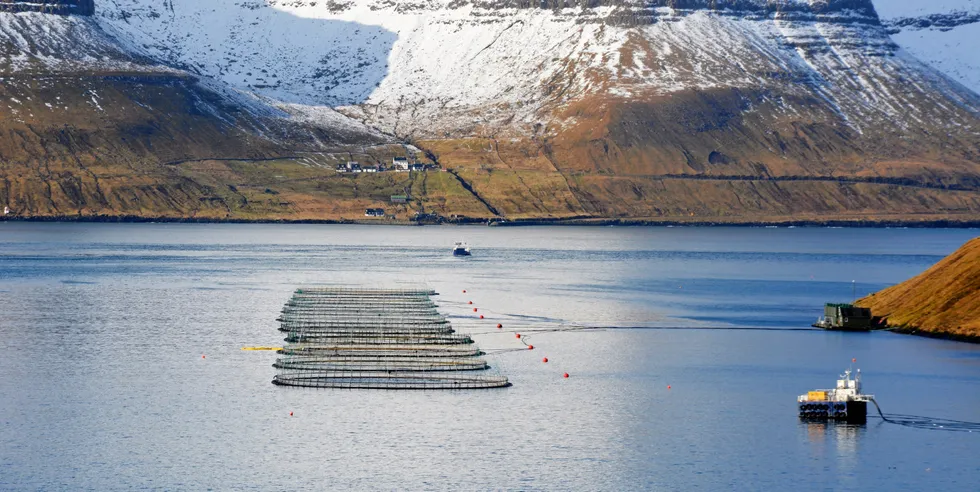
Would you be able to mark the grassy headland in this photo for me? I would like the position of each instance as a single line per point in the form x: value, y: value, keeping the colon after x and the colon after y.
x: 943, y: 301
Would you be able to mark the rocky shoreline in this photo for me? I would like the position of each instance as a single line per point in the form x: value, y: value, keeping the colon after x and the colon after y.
x: 572, y: 221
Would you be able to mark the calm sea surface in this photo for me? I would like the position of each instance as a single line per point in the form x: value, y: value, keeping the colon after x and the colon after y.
x: 103, y: 385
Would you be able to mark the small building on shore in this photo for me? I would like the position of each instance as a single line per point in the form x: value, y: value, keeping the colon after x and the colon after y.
x: 399, y: 163
x: 846, y: 317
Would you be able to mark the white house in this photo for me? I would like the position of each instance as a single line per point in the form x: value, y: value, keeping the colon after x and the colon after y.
x: 399, y: 163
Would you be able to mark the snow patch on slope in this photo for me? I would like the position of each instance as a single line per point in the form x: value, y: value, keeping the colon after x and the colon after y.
x: 943, y: 33
x: 34, y: 41
x: 441, y: 67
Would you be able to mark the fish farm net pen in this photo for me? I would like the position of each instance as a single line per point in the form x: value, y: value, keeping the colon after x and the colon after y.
x: 375, y: 339
x: 329, y: 308
x: 378, y: 302
x: 367, y: 338
x: 341, y: 363
x: 378, y: 332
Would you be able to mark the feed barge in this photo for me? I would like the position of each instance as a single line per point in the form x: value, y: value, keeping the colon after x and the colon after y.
x: 845, y: 403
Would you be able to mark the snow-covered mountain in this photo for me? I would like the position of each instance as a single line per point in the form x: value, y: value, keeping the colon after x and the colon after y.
x: 425, y: 68
x: 943, y: 33
x: 563, y: 108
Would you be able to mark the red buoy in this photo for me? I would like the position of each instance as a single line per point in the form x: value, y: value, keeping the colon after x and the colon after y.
x: 518, y: 335
x: 566, y: 375
x: 290, y: 414
x: 530, y: 347
x: 668, y: 386
x: 464, y: 291
x: 854, y: 360
x: 471, y: 302
x: 481, y: 316
x: 545, y: 360
x: 202, y: 357
x: 499, y: 325
x: 474, y: 310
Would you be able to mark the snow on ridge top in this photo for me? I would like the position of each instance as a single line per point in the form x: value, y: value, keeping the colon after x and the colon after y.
x: 860, y: 7
x: 897, y: 9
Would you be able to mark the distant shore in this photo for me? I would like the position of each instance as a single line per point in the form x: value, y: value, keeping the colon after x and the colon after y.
x: 571, y: 221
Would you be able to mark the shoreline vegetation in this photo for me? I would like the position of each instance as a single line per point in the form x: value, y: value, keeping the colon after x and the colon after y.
x: 496, y: 222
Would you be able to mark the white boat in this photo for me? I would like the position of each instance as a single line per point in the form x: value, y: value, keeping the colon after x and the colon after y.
x: 461, y: 249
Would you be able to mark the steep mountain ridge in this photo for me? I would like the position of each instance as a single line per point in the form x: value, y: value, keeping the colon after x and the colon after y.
x: 942, y: 33
x: 59, y: 7
x: 423, y: 69
x: 90, y: 127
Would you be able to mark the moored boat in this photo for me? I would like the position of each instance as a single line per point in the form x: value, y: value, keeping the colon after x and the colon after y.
x: 844, y: 403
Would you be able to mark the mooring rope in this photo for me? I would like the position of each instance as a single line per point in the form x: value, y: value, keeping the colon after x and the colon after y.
x: 931, y: 423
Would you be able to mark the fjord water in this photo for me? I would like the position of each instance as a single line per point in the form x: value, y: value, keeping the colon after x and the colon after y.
x: 121, y: 364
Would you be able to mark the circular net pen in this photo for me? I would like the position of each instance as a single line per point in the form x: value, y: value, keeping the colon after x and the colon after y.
x: 375, y: 350
x: 299, y: 326
x: 335, y: 363
x: 360, y: 338
x: 390, y: 380
x: 375, y: 339
x: 376, y: 331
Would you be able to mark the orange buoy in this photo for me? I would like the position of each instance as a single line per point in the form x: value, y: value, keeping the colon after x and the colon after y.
x: 518, y: 335
x: 566, y: 375
x: 499, y: 325
x: 530, y: 347
x: 481, y: 316
x: 545, y: 360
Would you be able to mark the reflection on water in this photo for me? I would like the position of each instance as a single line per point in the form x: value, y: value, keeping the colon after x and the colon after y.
x: 843, y: 437
x: 104, y: 327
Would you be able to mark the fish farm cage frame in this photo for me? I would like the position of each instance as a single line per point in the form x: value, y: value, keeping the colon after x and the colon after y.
x: 358, y: 338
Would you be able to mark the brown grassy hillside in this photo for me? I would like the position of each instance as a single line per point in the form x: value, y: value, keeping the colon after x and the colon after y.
x: 944, y: 300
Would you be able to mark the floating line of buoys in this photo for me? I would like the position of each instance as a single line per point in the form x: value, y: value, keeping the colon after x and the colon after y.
x: 261, y: 348
x: 523, y: 338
